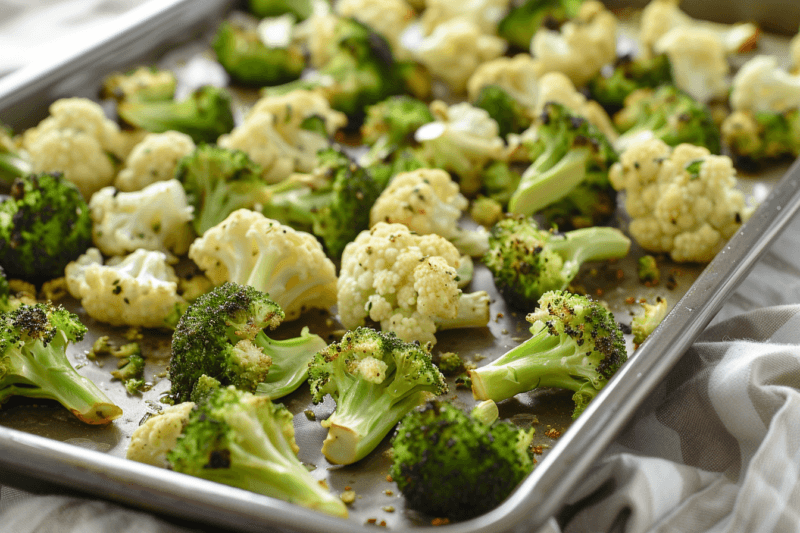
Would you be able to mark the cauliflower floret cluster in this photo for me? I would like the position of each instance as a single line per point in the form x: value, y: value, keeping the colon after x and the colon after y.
x: 462, y: 140
x: 250, y: 249
x: 486, y: 14
x: 583, y: 45
x: 273, y: 137
x: 153, y: 159
x: 761, y: 85
x: 518, y: 76
x: 681, y: 201
x: 78, y: 140
x: 156, y: 218
x: 139, y: 289
x: 406, y: 282
x: 428, y: 201
x: 454, y: 49
x: 153, y: 440
x: 387, y: 17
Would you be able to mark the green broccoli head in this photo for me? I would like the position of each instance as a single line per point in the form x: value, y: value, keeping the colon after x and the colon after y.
x: 630, y: 74
x: 450, y: 363
x: 218, y: 181
x: 249, y: 61
x: 567, y: 152
x: 450, y: 464
x: 34, y: 363
x: 221, y: 335
x: 44, y: 225
x: 527, y: 261
x: 510, y: 115
x: 669, y: 114
x: 204, y: 115
x: 246, y: 441
x: 332, y: 206
x: 576, y: 345
x: 392, y: 122
x: 755, y: 138
x: 520, y: 25
x: 375, y: 379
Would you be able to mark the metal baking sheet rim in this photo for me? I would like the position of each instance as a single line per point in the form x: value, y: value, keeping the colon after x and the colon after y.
x: 538, y: 497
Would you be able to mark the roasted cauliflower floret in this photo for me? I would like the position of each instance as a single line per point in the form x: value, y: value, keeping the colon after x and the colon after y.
x: 139, y: 289
x: 407, y: 283
x: 427, y: 201
x: 151, y: 441
x: 153, y: 159
x: 485, y: 13
x: 250, y: 249
x: 518, y: 76
x: 582, y: 47
x: 761, y: 85
x: 681, y: 201
x: 157, y: 217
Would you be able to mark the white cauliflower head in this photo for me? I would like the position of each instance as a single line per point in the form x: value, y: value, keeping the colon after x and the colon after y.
x: 681, y: 201
x: 486, y: 14
x: 78, y: 140
x: 153, y: 159
x: 462, y: 140
x: 761, y: 85
x: 699, y: 64
x: 406, y: 282
x: 455, y: 49
x: 153, y: 440
x: 139, y: 289
x: 272, y: 136
x: 583, y: 45
x: 156, y: 218
x: 250, y: 249
x: 518, y: 76
x: 428, y: 201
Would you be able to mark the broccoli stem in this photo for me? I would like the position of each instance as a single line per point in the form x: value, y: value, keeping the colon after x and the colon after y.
x: 544, y: 360
x: 596, y: 243
x: 290, y: 359
x: 365, y: 413
x: 473, y: 312
x: 12, y: 167
x: 544, y: 182
x: 48, y: 375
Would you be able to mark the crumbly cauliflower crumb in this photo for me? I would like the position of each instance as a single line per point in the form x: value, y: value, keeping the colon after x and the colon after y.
x: 153, y: 159
x: 153, y: 440
x: 681, y: 201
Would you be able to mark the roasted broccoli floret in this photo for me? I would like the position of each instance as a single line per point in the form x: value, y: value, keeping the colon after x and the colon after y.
x: 576, y: 345
x: 571, y: 159
x: 34, y: 363
x: 629, y: 74
x: 44, y: 224
x: 389, y: 127
x: 510, y: 115
x: 449, y: 464
x: 756, y: 137
x: 450, y: 363
x: 221, y: 335
x: 249, y: 61
x: 246, y: 441
x: 521, y: 23
x: 528, y: 261
x: 334, y: 205
x: 651, y: 316
x: 375, y: 379
x: 218, y: 181
x: 130, y: 371
x: 669, y: 114
x: 204, y: 115
x: 301, y: 9
x: 148, y: 84
x: 647, y: 270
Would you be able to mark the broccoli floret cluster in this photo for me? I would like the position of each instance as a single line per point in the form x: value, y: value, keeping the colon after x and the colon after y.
x: 628, y: 75
x: 521, y: 23
x: 449, y: 464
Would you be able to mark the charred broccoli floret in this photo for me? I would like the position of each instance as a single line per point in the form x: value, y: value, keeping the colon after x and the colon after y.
x: 510, y: 115
x: 522, y: 22
x: 375, y: 379
x: 34, y: 363
x: 452, y: 465
x: 44, y: 224
x: 528, y: 261
x: 669, y: 114
x: 130, y: 371
x: 204, y: 115
x: 569, y: 173
x: 246, y: 441
x: 222, y: 336
x: 629, y: 74
x: 576, y: 345
x: 757, y: 137
x: 243, y: 55
x: 218, y: 181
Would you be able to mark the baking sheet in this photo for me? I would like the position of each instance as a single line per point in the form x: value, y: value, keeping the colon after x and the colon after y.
x: 378, y: 501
